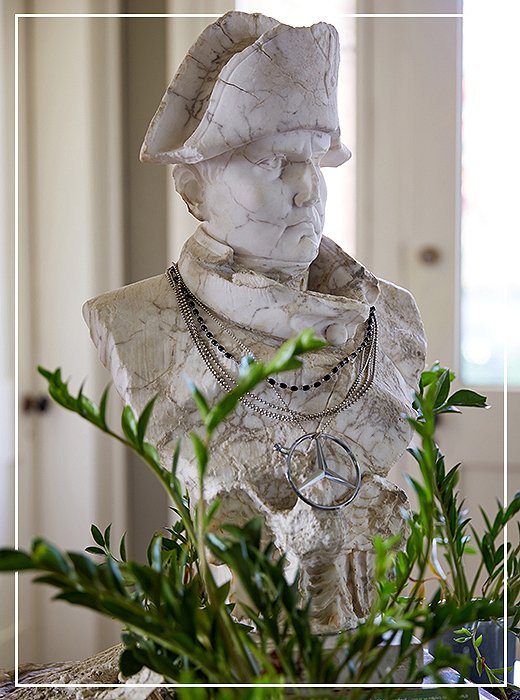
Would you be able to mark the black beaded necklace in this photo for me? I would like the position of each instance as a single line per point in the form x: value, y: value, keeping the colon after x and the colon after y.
x: 195, y: 305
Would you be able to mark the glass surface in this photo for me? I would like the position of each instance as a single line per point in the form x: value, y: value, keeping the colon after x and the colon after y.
x: 490, y: 226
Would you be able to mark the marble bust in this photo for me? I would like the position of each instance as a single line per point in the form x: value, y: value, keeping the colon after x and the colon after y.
x: 248, y: 131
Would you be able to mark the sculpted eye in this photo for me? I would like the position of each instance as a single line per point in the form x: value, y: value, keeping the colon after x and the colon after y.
x: 274, y: 162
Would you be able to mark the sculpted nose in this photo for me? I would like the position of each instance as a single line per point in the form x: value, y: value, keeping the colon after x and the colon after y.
x: 307, y: 184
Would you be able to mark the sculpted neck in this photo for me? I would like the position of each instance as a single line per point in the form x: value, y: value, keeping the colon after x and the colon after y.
x: 294, y: 275
x: 342, y: 291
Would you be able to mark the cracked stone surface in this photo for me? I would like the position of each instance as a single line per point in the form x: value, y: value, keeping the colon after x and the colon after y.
x: 99, y: 669
x: 259, y: 262
x: 244, y: 69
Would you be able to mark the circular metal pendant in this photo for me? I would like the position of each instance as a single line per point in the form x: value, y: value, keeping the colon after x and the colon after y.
x: 322, y: 470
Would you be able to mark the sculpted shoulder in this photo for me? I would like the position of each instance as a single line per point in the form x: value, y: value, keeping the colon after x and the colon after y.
x: 403, y: 337
x: 134, y: 327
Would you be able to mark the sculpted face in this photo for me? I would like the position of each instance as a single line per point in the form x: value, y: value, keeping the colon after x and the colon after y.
x: 266, y: 200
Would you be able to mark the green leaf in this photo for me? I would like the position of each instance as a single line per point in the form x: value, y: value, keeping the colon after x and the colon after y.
x: 416, y: 453
x: 478, y: 641
x: 103, y: 408
x: 154, y: 553
x: 200, y: 400
x: 304, y: 342
x: 211, y: 510
x: 217, y: 543
x: 485, y: 518
x: 88, y: 408
x: 512, y: 508
x: 443, y: 388
x: 151, y: 454
x: 447, y: 409
x: 15, y: 560
x: 97, y: 536
x: 246, y: 362
x: 115, y: 573
x: 126, y: 612
x: 47, y: 556
x: 423, y: 493
x: 128, y: 664
x: 427, y: 377
x: 55, y: 580
x: 466, y: 397
x: 95, y: 550
x: 106, y: 536
x: 145, y: 576
x: 175, y: 457
x: 420, y: 427
x: 406, y: 639
x: 63, y: 398
x: 45, y: 373
x: 175, y: 484
x: 253, y: 372
x: 201, y: 455
x: 144, y: 419
x: 83, y: 565
x: 122, y: 548
x: 85, y: 600
x: 129, y: 425
x: 285, y: 354
x: 222, y: 593
x: 222, y: 409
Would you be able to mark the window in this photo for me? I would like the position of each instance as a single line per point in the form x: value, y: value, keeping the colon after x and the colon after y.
x: 490, y: 234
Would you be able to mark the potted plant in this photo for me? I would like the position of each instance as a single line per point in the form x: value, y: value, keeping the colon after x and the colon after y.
x: 177, y: 620
x: 455, y: 539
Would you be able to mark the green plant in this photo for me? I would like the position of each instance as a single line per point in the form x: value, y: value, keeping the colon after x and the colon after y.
x: 176, y: 618
x: 475, y: 638
x: 438, y: 495
x: 445, y: 520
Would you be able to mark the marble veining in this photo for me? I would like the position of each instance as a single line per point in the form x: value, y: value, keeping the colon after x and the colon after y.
x: 248, y: 132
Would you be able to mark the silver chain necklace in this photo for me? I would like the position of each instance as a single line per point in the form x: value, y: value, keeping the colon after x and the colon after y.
x: 319, y: 485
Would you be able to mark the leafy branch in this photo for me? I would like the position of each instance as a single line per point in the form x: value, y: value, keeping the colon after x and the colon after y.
x: 178, y: 620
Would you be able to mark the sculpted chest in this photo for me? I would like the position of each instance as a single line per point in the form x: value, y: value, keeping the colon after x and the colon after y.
x: 143, y: 340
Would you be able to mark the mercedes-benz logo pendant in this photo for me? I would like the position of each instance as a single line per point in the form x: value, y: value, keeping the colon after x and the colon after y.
x: 325, y: 473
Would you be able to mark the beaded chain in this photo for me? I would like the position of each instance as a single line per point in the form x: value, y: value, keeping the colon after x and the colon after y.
x: 208, y: 346
x: 350, y: 358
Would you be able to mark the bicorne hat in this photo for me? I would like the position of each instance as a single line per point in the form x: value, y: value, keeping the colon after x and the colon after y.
x: 247, y: 77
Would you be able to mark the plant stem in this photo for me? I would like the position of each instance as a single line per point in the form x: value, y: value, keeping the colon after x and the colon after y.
x: 239, y: 659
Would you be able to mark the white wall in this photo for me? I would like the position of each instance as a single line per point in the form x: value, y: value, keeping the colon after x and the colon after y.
x: 70, y: 250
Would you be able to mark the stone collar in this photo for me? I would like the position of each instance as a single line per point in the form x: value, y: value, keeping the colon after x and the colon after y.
x: 338, y: 298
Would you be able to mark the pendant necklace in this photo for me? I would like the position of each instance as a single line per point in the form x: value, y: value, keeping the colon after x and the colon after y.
x: 320, y: 467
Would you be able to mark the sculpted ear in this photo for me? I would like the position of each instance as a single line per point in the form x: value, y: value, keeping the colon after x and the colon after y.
x: 190, y: 186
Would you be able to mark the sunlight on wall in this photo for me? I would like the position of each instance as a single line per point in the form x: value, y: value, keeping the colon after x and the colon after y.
x: 340, y: 220
x: 490, y: 294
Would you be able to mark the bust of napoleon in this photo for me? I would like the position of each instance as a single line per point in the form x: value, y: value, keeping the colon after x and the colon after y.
x: 249, y: 121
